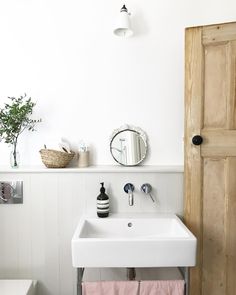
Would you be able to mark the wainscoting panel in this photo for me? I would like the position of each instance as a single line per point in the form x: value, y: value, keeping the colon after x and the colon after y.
x: 35, y: 236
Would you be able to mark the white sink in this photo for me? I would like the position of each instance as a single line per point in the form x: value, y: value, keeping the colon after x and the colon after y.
x: 128, y: 240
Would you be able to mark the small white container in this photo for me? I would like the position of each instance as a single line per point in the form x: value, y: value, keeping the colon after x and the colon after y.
x: 83, y: 160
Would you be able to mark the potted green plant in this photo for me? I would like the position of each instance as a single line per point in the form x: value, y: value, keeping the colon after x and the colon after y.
x: 14, y: 119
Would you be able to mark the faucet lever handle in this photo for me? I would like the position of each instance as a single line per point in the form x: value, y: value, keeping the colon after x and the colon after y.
x: 152, y: 198
x: 147, y: 188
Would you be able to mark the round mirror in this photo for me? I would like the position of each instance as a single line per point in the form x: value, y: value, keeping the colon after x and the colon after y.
x: 128, y: 145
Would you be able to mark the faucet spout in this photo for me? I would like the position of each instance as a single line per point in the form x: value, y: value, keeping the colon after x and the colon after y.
x: 131, y: 198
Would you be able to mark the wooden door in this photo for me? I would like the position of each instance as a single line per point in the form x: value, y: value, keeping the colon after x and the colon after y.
x: 210, y: 168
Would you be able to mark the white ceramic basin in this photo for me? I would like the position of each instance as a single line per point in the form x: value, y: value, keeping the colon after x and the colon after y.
x: 126, y: 240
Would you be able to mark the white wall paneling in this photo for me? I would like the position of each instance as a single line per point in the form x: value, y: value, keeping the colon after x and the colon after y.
x: 35, y: 236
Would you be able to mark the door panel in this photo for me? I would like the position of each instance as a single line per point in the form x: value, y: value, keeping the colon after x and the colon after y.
x: 216, y: 94
x: 214, y: 207
x: 210, y: 169
x: 230, y: 225
x: 218, y: 143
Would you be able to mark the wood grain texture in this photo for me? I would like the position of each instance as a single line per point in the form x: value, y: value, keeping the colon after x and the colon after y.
x: 218, y: 143
x: 193, y: 162
x: 216, y: 90
x: 230, y: 226
x: 214, y: 232
x: 231, y: 112
x: 210, y: 189
x: 218, y: 33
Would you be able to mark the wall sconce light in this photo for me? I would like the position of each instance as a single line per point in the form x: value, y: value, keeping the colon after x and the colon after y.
x: 123, y: 27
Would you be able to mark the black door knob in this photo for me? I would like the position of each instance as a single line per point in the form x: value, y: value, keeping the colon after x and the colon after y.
x: 197, y: 140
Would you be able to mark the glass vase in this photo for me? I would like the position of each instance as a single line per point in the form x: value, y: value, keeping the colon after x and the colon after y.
x: 14, y: 156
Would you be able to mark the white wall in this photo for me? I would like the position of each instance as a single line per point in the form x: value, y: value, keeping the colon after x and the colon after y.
x: 87, y: 82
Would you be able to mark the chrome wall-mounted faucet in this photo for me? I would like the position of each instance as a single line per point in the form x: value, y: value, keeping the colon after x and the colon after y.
x: 147, y: 188
x: 129, y: 188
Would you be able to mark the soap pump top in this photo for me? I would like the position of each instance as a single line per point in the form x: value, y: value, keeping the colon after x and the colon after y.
x: 102, y: 189
x: 102, y: 203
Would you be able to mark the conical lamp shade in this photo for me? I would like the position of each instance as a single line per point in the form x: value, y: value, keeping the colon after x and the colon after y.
x: 123, y: 26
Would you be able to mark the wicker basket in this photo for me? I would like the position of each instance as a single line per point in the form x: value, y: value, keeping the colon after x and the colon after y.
x: 55, y: 159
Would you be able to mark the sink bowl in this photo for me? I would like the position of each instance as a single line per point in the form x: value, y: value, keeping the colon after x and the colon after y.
x: 133, y: 240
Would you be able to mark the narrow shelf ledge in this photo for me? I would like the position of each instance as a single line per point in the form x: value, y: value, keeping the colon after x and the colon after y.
x: 97, y: 169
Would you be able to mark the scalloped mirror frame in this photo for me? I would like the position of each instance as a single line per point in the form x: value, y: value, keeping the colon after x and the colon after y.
x: 133, y: 128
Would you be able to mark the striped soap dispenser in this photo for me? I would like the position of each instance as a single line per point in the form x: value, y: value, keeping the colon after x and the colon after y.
x: 102, y: 203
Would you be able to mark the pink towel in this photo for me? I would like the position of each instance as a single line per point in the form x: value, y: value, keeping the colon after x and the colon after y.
x: 110, y: 288
x: 162, y: 287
